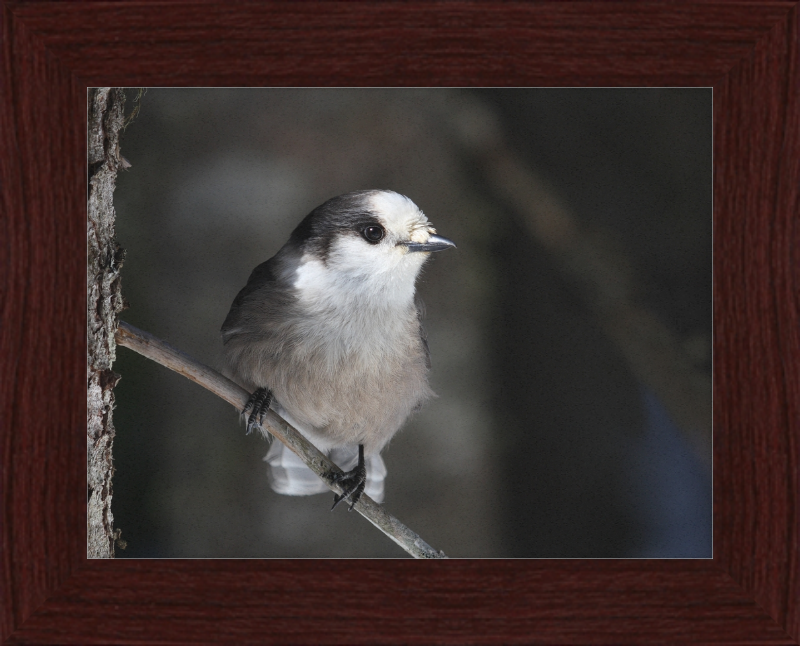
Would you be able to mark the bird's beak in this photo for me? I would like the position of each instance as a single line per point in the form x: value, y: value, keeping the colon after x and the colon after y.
x: 434, y: 243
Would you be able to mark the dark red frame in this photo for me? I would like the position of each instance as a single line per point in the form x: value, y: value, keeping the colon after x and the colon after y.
x: 748, y: 51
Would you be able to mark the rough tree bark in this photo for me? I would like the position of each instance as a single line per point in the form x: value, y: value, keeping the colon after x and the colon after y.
x: 104, y: 256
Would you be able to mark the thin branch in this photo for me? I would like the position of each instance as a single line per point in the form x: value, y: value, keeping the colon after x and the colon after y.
x: 163, y: 353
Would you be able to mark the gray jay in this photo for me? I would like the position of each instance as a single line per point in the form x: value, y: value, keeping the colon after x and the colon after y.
x: 328, y: 333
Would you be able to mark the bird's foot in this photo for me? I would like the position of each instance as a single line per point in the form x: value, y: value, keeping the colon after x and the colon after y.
x: 352, y: 482
x: 257, y: 406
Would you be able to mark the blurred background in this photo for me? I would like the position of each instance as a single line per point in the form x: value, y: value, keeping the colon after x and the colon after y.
x: 570, y: 331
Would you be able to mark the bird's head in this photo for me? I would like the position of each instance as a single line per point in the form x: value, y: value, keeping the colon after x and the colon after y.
x: 369, y: 236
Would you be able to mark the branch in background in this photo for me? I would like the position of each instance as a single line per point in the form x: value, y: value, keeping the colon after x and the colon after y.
x: 654, y: 353
x: 163, y: 353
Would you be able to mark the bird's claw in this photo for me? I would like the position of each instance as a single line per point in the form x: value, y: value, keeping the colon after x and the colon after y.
x: 352, y: 482
x: 257, y: 406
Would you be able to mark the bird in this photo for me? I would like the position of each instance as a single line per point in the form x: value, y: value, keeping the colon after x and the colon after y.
x: 328, y: 334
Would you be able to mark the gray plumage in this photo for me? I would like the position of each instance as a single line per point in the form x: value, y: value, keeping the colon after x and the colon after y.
x: 330, y: 323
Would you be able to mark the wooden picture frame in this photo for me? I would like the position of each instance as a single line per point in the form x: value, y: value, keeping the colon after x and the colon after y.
x: 748, y: 52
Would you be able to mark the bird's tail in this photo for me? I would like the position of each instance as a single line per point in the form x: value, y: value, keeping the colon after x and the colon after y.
x: 288, y: 474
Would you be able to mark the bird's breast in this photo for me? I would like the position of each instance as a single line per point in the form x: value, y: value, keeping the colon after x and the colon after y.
x: 354, y: 375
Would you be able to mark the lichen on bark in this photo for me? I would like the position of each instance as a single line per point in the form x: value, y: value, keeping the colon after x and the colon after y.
x: 104, y: 301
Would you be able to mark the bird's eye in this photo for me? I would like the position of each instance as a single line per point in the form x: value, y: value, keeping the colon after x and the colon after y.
x: 373, y: 233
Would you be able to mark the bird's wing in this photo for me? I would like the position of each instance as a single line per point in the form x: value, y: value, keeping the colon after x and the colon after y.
x: 262, y: 277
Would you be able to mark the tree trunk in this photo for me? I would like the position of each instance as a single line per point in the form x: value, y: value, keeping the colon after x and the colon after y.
x: 105, y: 119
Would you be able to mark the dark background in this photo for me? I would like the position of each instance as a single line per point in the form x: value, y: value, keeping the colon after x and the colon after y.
x: 542, y: 442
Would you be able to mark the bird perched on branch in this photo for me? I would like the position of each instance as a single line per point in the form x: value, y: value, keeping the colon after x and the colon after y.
x: 328, y: 333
